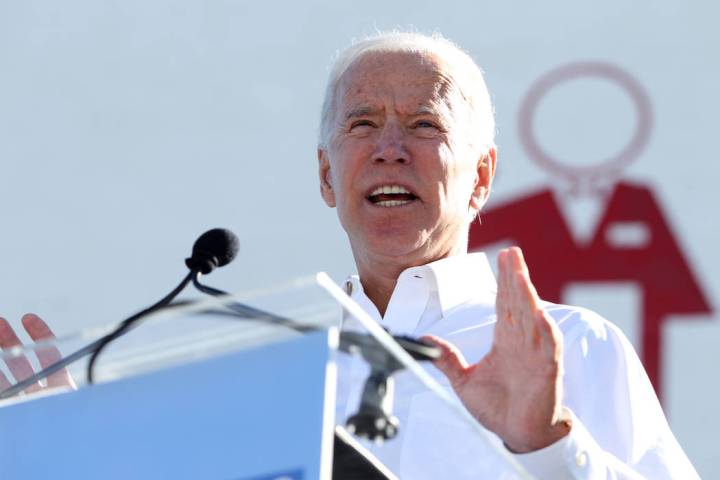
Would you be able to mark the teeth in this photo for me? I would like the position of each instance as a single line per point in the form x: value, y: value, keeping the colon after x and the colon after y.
x: 392, y: 203
x: 389, y: 189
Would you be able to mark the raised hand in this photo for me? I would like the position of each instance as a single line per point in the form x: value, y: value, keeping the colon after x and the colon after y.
x: 515, y: 391
x: 19, y: 366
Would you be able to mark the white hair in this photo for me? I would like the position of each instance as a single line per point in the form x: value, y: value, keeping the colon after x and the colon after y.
x: 462, y: 69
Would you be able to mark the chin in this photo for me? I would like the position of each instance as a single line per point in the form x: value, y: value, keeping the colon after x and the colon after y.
x: 394, y: 244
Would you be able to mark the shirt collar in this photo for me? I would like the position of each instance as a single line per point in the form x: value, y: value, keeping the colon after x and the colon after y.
x: 460, y: 278
x: 456, y: 280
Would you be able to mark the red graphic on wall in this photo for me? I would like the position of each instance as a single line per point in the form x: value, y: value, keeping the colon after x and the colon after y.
x: 652, y: 258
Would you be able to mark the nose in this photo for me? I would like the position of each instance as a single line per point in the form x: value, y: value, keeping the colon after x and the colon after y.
x: 390, y: 146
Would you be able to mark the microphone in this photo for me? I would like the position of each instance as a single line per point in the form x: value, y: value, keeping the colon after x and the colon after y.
x: 214, y: 248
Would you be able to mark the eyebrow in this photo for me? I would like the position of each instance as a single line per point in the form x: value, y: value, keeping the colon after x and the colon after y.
x: 365, y: 110
x: 360, y: 111
x: 425, y: 110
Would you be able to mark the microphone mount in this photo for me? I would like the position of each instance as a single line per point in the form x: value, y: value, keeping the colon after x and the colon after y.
x: 374, y: 419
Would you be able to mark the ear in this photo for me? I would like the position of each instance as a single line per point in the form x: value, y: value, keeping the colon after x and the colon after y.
x: 483, y: 179
x: 326, y: 188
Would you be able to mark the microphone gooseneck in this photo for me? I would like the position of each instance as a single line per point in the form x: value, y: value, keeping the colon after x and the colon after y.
x: 214, y: 248
x: 131, y: 322
x: 246, y: 312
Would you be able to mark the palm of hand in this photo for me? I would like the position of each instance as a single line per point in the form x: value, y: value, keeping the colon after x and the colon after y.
x: 515, y: 391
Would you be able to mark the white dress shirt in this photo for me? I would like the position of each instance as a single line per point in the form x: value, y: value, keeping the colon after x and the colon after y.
x: 619, y: 430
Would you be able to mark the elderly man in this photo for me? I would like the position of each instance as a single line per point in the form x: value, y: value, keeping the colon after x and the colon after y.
x: 407, y: 157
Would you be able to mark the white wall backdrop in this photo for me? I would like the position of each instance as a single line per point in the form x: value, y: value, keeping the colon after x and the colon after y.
x: 128, y: 128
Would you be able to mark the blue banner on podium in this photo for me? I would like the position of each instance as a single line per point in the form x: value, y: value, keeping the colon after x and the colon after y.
x: 242, y: 415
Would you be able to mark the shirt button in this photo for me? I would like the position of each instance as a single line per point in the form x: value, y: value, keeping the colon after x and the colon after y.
x: 581, y: 459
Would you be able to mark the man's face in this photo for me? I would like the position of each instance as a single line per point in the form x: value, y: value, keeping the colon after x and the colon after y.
x: 399, y: 166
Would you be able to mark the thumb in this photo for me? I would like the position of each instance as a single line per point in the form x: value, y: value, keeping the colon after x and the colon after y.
x: 452, y: 363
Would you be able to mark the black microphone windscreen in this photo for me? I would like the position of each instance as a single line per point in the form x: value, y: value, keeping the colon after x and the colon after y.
x: 214, y: 248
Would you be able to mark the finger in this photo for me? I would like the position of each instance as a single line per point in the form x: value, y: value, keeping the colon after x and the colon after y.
x: 518, y: 260
x: 502, y: 300
x: 551, y: 338
x: 451, y: 362
x: 520, y: 266
x: 39, y: 331
x: 511, y: 304
x: 4, y: 382
x: 19, y: 365
x: 523, y: 298
x: 524, y: 295
x: 544, y: 332
x: 524, y: 302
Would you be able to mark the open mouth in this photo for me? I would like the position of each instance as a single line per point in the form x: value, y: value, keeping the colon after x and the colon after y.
x: 391, y: 196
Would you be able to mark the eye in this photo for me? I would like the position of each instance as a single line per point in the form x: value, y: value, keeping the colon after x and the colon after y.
x: 426, y: 128
x: 361, y: 124
x: 425, y: 124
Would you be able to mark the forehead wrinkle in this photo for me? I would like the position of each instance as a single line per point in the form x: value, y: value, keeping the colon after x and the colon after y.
x: 446, y: 88
x: 450, y: 100
x: 442, y: 94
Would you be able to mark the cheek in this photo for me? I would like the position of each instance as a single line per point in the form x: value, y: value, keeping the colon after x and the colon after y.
x: 450, y: 172
x: 461, y: 180
x: 465, y: 178
x: 341, y: 180
x: 349, y: 157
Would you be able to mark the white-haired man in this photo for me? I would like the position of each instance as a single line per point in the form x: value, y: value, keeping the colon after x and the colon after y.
x: 406, y: 155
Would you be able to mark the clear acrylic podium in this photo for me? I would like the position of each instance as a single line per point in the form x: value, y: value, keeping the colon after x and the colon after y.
x: 195, y: 393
